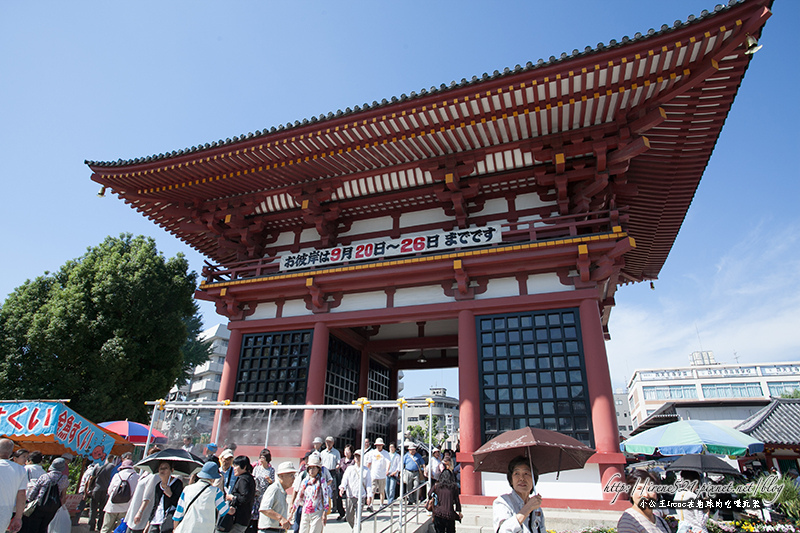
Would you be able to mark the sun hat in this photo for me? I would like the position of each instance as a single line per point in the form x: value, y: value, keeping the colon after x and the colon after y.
x: 210, y: 470
x: 378, y: 441
x: 412, y: 446
x: 211, y: 447
x: 314, y: 460
x: 329, y: 438
x: 286, y: 468
x: 227, y: 454
x: 317, y: 440
x: 58, y: 465
x: 357, y: 452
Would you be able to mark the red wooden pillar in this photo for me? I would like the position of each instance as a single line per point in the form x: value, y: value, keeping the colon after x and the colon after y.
x: 315, y: 387
x: 227, y: 386
x: 604, y: 420
x: 470, y: 402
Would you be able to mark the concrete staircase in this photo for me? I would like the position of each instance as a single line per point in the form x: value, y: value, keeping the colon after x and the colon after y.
x: 478, y: 519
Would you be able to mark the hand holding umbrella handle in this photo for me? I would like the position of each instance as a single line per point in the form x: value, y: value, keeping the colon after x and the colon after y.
x: 533, y: 503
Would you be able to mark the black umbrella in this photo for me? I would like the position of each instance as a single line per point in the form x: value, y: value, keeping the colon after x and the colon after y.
x: 181, y: 460
x: 703, y: 463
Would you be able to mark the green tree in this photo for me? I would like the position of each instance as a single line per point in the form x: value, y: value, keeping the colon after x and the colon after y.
x: 419, y: 432
x: 794, y: 394
x: 109, y: 330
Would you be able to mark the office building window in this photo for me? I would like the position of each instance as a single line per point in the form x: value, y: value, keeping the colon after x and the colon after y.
x: 732, y: 390
x: 783, y: 387
x: 669, y: 392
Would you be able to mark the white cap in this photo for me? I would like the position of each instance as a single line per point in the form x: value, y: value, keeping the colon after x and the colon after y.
x: 286, y: 468
x: 378, y: 441
x: 317, y: 440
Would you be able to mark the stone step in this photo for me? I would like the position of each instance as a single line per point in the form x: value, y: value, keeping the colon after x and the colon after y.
x: 478, y: 519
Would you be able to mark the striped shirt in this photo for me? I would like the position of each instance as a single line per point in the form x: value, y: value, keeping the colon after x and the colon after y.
x: 201, y: 516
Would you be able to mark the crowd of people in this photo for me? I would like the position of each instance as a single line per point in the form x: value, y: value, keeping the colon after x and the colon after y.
x: 230, y: 493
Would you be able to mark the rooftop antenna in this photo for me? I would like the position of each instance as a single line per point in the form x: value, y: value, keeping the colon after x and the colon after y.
x: 698, y: 337
x: 735, y: 357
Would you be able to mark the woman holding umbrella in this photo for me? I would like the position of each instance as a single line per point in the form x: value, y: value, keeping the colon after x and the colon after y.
x: 165, y: 498
x: 640, y: 518
x: 518, y: 511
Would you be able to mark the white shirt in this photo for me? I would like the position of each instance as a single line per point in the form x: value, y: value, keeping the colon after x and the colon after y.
x: 116, y: 481
x: 275, y: 499
x: 378, y: 463
x: 394, y: 463
x: 504, y: 520
x: 330, y: 458
x: 13, y: 478
x: 350, y: 482
x: 434, y: 467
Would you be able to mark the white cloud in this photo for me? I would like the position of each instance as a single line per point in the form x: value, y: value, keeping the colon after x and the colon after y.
x: 746, y: 307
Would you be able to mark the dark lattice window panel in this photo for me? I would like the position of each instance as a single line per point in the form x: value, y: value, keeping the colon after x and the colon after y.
x: 272, y: 366
x: 341, y: 388
x: 532, y: 373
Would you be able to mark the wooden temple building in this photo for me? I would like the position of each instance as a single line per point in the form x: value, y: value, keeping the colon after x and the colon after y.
x: 484, y: 225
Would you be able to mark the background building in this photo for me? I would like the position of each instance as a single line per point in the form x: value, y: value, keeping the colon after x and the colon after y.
x: 650, y: 389
x: 203, y: 385
x: 445, y: 407
x: 624, y: 423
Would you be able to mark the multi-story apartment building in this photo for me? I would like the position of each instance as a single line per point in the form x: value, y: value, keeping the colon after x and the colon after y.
x: 624, y: 423
x: 444, y: 407
x: 705, y: 379
x: 203, y: 384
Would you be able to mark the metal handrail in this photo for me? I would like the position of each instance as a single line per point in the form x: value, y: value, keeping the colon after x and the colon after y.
x: 401, y: 523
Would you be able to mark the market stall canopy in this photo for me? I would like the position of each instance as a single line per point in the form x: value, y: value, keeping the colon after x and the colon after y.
x: 53, y: 429
x: 692, y: 436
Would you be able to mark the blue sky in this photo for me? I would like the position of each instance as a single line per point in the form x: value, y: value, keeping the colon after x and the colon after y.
x: 107, y: 80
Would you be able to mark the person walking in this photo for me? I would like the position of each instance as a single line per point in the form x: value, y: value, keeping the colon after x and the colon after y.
x: 446, y: 505
x: 99, y: 482
x: 393, y: 475
x: 413, y: 463
x: 378, y: 462
x: 313, y: 497
x: 227, y: 478
x: 13, y: 484
x: 34, y: 467
x: 349, y: 487
x: 347, y: 460
x: 264, y: 475
x: 330, y: 458
x: 115, y: 511
x: 200, y: 502
x: 165, y: 496
x: 274, y: 510
x: 241, y: 497
x: 56, y: 479
x: 145, y: 490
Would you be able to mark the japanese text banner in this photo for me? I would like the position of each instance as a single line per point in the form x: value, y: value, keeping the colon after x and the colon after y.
x: 54, y: 422
x: 380, y: 248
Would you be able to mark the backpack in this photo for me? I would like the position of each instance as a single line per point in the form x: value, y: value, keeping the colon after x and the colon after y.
x: 49, y: 498
x: 122, y: 494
